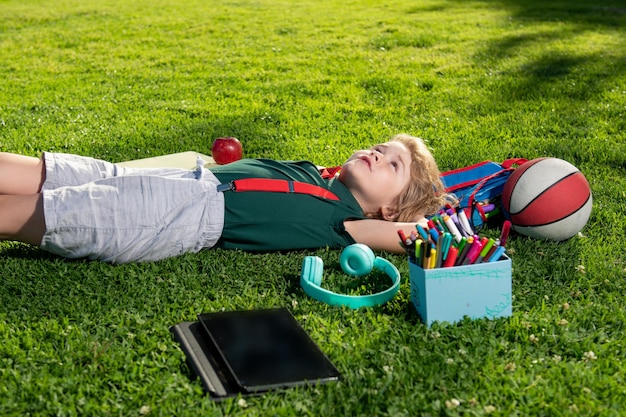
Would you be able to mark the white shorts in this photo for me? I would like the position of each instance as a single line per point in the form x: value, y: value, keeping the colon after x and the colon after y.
x: 102, y: 211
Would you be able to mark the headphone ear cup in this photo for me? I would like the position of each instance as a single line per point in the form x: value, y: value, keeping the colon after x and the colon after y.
x: 312, y: 270
x: 357, y: 260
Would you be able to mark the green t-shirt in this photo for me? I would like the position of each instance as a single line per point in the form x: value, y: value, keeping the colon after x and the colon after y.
x: 264, y: 221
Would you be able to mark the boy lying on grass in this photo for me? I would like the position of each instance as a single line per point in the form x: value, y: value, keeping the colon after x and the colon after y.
x: 78, y: 207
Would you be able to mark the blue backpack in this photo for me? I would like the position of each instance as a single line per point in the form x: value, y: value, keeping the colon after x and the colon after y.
x: 479, y: 187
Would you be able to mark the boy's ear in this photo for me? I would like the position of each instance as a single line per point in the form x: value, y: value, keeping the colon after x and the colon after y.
x: 390, y: 213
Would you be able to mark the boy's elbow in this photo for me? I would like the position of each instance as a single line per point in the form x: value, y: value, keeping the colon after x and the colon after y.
x: 379, y: 235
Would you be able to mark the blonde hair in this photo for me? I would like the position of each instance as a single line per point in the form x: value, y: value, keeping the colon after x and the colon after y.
x: 425, y: 194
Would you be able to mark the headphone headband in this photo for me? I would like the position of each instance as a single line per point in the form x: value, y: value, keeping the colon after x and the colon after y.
x: 358, y: 260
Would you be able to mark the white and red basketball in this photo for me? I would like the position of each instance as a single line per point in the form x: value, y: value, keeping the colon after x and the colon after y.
x: 547, y: 198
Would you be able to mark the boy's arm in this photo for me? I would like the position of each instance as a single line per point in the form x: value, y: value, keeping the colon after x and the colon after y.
x: 381, y: 235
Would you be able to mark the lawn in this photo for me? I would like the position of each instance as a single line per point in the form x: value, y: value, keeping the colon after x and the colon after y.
x: 316, y: 80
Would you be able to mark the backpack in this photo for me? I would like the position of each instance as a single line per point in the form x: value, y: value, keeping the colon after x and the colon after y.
x: 478, y: 188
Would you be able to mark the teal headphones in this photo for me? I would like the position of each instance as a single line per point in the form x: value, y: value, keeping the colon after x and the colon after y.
x: 355, y: 260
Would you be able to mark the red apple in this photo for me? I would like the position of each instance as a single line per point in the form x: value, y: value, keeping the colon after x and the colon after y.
x: 226, y: 150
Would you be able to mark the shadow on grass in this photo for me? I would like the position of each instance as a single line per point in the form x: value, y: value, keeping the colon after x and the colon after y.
x: 584, y: 13
x: 531, y: 66
x: 533, y: 78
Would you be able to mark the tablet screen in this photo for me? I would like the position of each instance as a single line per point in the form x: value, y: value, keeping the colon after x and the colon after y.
x: 266, y: 349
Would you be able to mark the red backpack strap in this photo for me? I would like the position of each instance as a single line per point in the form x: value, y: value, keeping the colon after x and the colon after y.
x: 330, y: 172
x: 277, y: 186
x: 508, y: 163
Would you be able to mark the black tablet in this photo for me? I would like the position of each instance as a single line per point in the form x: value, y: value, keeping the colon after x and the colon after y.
x: 204, y: 360
x: 267, y: 349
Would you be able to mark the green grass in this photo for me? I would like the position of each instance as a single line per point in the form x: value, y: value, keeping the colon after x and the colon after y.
x: 478, y: 79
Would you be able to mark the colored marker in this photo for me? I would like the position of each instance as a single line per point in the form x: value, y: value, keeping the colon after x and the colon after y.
x: 452, y: 228
x: 461, y: 244
x: 465, y: 224
x: 497, y: 254
x: 427, y: 251
x: 491, y: 251
x: 405, y: 240
x: 434, y: 234
x: 421, y: 232
x: 437, y: 223
x: 485, y: 251
x: 441, y: 225
x: 506, y: 228
x: 461, y: 256
x: 488, y: 207
x: 433, y: 258
x: 439, y: 258
x: 492, y: 213
x: 473, y: 253
x: 451, y: 259
x: 418, y: 251
x: 445, y: 247
x: 457, y: 221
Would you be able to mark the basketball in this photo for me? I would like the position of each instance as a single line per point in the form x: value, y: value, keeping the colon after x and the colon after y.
x: 547, y: 198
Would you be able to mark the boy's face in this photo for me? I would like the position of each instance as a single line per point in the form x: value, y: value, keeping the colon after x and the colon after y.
x: 377, y: 176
